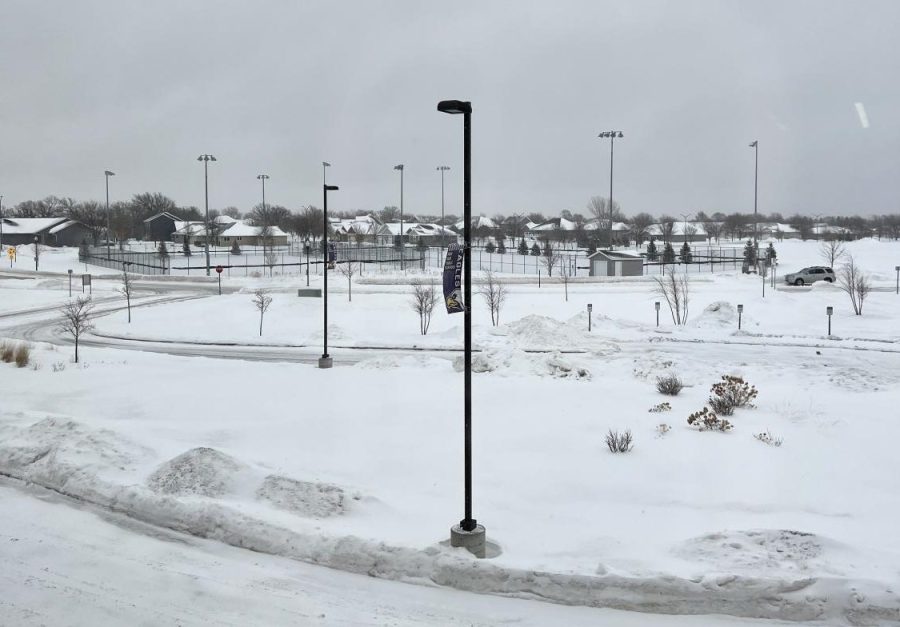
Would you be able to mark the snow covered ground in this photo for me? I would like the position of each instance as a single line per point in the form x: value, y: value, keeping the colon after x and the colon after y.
x: 360, y: 467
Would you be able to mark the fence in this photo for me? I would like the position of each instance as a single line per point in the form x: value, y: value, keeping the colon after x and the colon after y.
x: 139, y: 262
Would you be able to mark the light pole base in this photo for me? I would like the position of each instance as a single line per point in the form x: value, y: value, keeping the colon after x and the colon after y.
x: 325, y: 362
x: 473, y: 541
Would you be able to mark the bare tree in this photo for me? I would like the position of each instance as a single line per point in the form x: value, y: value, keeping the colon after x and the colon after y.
x: 855, y: 282
x: 565, y: 273
x: 494, y: 293
x: 76, y: 319
x: 832, y: 250
x: 126, y: 290
x: 348, y: 269
x: 424, y: 300
x: 550, y: 259
x: 262, y: 301
x: 674, y: 289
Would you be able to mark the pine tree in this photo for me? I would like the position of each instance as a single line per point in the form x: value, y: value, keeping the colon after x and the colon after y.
x: 685, y: 254
x: 750, y: 253
x: 235, y: 249
x: 186, y: 248
x: 523, y: 247
x: 668, y: 255
x: 162, y: 251
x: 771, y: 255
x: 490, y: 248
x: 536, y: 250
x: 652, y: 253
x: 501, y: 249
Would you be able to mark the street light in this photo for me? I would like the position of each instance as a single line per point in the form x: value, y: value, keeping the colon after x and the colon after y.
x: 441, y: 169
x: 612, y: 140
x: 325, y: 164
x: 400, y: 167
x: 325, y: 361
x: 262, y: 230
x: 1, y: 222
x: 70, y: 283
x: 206, y: 159
x: 740, y: 315
x: 37, y: 253
x: 108, y: 174
x: 468, y: 533
x: 828, y: 312
x: 755, y: 147
x: 306, y: 249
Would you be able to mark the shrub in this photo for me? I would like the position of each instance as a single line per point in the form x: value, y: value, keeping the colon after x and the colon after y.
x: 660, y: 408
x: 58, y: 366
x: 662, y: 429
x: 729, y: 393
x: 619, y: 442
x: 767, y: 438
x: 22, y: 355
x: 7, y: 352
x: 706, y: 420
x: 670, y: 384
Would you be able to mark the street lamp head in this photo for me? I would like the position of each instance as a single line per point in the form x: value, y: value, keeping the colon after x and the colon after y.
x: 443, y: 168
x: 262, y: 177
x: 108, y: 173
x: 399, y: 167
x: 620, y: 134
x: 454, y: 107
x: 206, y: 158
x: 325, y: 164
x: 740, y: 309
x: 331, y: 188
x: 829, y: 310
x: 656, y: 305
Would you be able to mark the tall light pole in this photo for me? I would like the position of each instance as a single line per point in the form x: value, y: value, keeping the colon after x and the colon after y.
x: 108, y: 174
x: 612, y: 141
x: 1, y: 224
x: 325, y: 164
x: 400, y: 167
x: 441, y: 169
x: 755, y: 147
x: 468, y: 533
x: 206, y: 159
x: 325, y: 361
x: 265, y: 216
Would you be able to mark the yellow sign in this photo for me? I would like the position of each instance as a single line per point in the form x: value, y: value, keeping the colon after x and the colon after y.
x: 11, y: 252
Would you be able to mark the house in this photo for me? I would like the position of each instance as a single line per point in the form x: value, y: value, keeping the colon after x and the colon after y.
x: 615, y: 263
x: 677, y: 232
x: 192, y: 232
x: 49, y: 231
x: 159, y: 227
x: 248, y: 235
x: 777, y: 230
x: 358, y: 228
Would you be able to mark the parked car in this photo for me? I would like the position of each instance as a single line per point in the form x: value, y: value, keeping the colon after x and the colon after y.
x: 810, y: 275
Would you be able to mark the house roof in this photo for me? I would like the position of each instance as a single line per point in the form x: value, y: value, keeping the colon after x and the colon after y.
x: 162, y: 214
x: 29, y: 226
x: 616, y: 255
x: 63, y: 225
x: 242, y: 229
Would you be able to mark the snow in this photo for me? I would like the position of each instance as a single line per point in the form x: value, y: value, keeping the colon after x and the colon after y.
x: 359, y: 468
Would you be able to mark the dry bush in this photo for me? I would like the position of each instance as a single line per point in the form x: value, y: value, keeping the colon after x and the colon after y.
x: 767, y: 438
x: 494, y: 293
x: 22, y: 355
x: 662, y: 429
x: 730, y: 393
x: 852, y: 280
x: 619, y: 442
x: 661, y: 407
x: 676, y: 292
x: 706, y: 420
x: 424, y: 299
x: 7, y: 352
x: 670, y: 385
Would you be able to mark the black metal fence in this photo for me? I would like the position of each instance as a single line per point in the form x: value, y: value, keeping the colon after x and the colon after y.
x: 138, y: 262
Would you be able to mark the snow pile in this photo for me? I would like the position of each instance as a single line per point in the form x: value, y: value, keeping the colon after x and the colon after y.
x: 400, y: 361
x: 197, y: 472
x: 758, y: 550
x: 544, y: 333
x: 718, y: 315
x: 518, y: 362
x: 311, y: 499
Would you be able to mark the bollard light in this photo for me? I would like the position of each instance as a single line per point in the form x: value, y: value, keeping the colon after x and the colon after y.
x: 70, y: 284
x: 829, y: 311
x: 590, y: 309
x: 740, y: 315
x: 656, y: 306
x: 897, y: 270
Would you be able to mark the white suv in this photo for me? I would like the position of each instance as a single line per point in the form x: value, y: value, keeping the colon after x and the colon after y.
x: 810, y: 275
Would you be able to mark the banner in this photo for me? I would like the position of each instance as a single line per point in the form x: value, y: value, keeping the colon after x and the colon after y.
x: 332, y: 255
x: 453, y: 266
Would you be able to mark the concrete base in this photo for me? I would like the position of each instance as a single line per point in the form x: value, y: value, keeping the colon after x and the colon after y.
x: 473, y: 541
x: 326, y: 362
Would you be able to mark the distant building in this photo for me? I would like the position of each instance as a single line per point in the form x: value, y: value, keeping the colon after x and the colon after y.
x: 248, y: 235
x: 49, y: 231
x: 159, y: 227
x: 615, y: 263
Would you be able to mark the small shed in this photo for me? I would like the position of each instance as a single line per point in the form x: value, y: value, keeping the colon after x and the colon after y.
x: 159, y: 227
x: 616, y: 263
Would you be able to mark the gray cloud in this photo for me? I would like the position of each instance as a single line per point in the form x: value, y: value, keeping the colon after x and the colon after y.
x: 278, y: 87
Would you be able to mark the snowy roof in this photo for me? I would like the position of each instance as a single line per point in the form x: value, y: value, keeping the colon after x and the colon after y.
x: 29, y: 226
x: 63, y: 225
x: 477, y: 222
x: 595, y: 225
x: 678, y: 228
x: 616, y: 254
x: 161, y: 214
x: 224, y: 220
x: 242, y: 229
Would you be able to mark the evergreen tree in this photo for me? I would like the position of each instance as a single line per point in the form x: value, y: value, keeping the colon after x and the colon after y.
x: 652, y: 253
x: 162, y: 251
x: 750, y: 253
x: 490, y: 248
x: 685, y: 254
x: 668, y: 255
x: 548, y: 251
x: 592, y: 247
x: 536, y: 250
x: 771, y: 255
x: 501, y: 249
x: 186, y: 248
x: 523, y: 247
x: 235, y: 249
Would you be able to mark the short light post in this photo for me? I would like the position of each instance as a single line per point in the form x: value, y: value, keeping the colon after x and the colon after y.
x: 108, y: 174
x: 897, y: 270
x: 70, y: 284
x: 206, y: 159
x: 325, y: 361
x: 740, y: 315
x: 829, y: 311
x: 590, y: 308
x: 306, y: 249
x: 656, y: 306
x: 468, y: 533
x: 219, y: 274
x: 764, y: 275
x: 37, y: 252
x: 401, y: 168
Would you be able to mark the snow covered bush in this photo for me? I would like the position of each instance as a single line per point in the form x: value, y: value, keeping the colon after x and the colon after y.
x: 855, y: 283
x: 670, y: 385
x: 661, y: 407
x: 767, y: 438
x: 729, y: 393
x: 705, y: 420
x: 619, y: 442
x: 662, y: 429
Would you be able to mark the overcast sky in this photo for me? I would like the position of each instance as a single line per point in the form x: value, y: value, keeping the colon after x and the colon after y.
x: 143, y: 88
